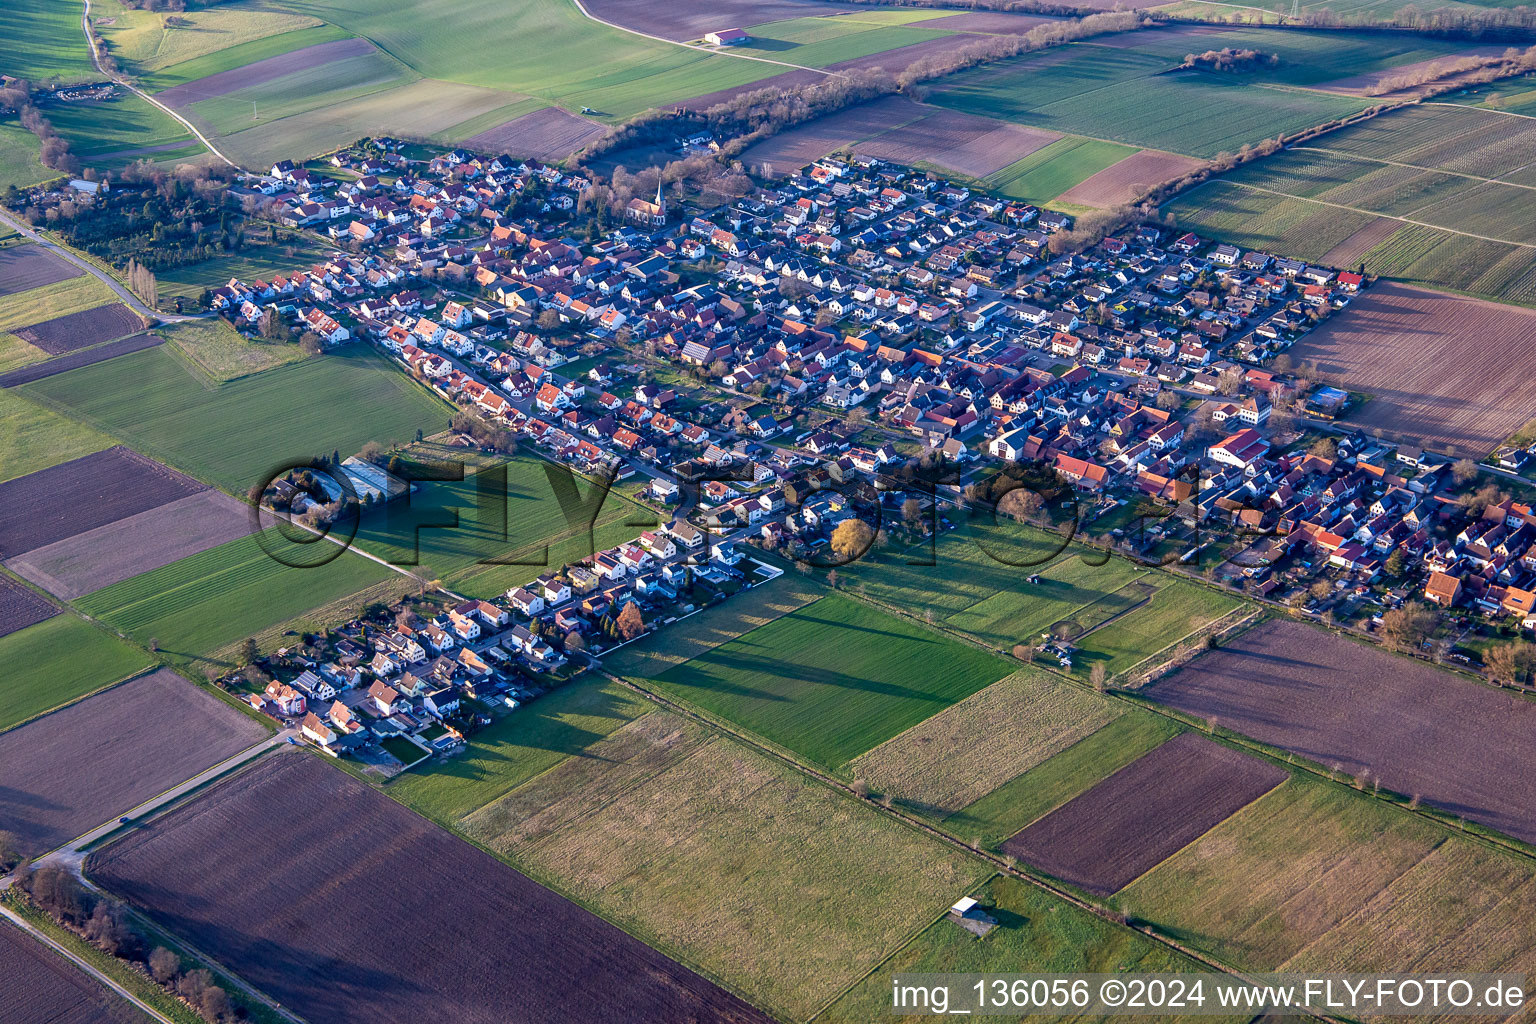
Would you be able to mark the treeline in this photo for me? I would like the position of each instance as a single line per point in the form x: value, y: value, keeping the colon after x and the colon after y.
x: 1495, y: 23
x: 752, y: 116
x: 1041, y: 7
x: 104, y: 922
x: 55, y: 155
x: 1232, y: 59
x: 1459, y: 73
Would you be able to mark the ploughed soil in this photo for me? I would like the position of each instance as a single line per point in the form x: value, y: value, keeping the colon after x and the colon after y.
x: 23, y: 267
x: 81, y: 330
x: 21, y: 607
x: 1104, y: 839
x: 40, y: 985
x: 1463, y: 747
x: 78, y: 358
x: 188, y: 93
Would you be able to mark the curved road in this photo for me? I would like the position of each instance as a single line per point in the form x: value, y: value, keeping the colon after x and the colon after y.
x: 85, y: 26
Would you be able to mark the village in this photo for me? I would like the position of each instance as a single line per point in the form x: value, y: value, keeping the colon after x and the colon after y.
x: 762, y: 368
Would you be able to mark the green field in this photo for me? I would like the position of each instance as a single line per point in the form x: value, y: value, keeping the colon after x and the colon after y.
x: 33, y: 306
x: 238, y: 55
x: 118, y: 131
x: 223, y: 352
x: 574, y: 62
x: 1035, y: 934
x: 820, y: 41
x: 453, y: 529
x: 1135, y: 98
x: 1512, y: 95
x: 518, y: 747
x: 19, y: 156
x: 36, y: 437
x: 236, y: 434
x: 212, y: 599
x: 323, y: 85
x: 831, y: 680
x: 1308, y: 229
x: 1052, y: 783
x: 143, y: 41
x: 258, y: 260
x: 1047, y: 173
x: 1176, y: 609
x: 57, y: 661
x: 1314, y: 876
x: 43, y: 39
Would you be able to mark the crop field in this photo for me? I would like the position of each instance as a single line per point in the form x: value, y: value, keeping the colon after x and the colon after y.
x: 1441, y: 136
x: 24, y: 267
x: 833, y: 679
x: 1047, y: 173
x: 966, y: 751
x: 1415, y: 728
x: 40, y: 39
x: 1134, y: 98
x: 223, y: 352
x: 1406, y: 347
x: 1126, y: 180
x: 40, y: 438
x: 250, y: 76
x: 990, y: 820
x: 968, y: 145
x: 21, y: 607
x: 204, y: 602
x: 1175, y: 609
x: 237, y: 433
x: 41, y: 985
x: 504, y: 947
x: 1318, y: 877
x: 689, y: 22
x: 549, y: 134
x: 134, y: 544
x: 1035, y: 934
x: 822, y: 41
x: 325, y: 81
x: 62, y: 780
x: 233, y: 58
x: 44, y: 302
x: 78, y: 358
x: 811, y: 141
x: 784, y: 889
x: 82, y: 494
x: 977, y: 587
x: 1112, y: 834
x: 57, y: 661
x: 1511, y: 96
x: 518, y: 747
x: 117, y: 131
x: 142, y: 40
x: 577, y: 62
x: 81, y: 330
x: 423, y: 108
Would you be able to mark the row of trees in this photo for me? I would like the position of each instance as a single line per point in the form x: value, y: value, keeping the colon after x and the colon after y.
x: 55, y: 155
x: 1460, y: 73
x: 104, y: 923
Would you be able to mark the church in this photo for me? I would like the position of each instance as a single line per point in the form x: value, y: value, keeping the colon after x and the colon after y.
x: 651, y: 214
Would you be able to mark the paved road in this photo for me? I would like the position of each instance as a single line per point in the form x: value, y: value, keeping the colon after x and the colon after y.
x: 85, y: 21
x: 82, y: 963
x: 128, y: 298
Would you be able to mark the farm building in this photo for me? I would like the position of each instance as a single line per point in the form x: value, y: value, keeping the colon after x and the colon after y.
x: 727, y: 37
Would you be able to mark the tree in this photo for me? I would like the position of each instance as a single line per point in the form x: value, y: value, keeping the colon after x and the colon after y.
x: 249, y: 652
x: 1097, y: 675
x: 1020, y: 504
x: 1395, y: 564
x: 310, y: 343
x: 851, y: 539
x: 372, y: 451
x: 1324, y: 448
x: 1320, y: 590
x: 1506, y: 663
x: 629, y: 624
x: 108, y: 928
x: 10, y: 854
x: 164, y: 965
x: 1408, y: 625
x: 215, y: 1003
x: 1168, y: 401
x: 1230, y: 381
x: 1463, y: 471
x: 911, y: 511
x: 549, y: 320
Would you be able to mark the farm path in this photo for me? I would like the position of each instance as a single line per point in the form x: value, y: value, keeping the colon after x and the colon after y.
x: 85, y: 26
x: 1373, y: 213
x: 129, y: 299
x: 1417, y: 167
x: 80, y: 962
x: 582, y: 7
